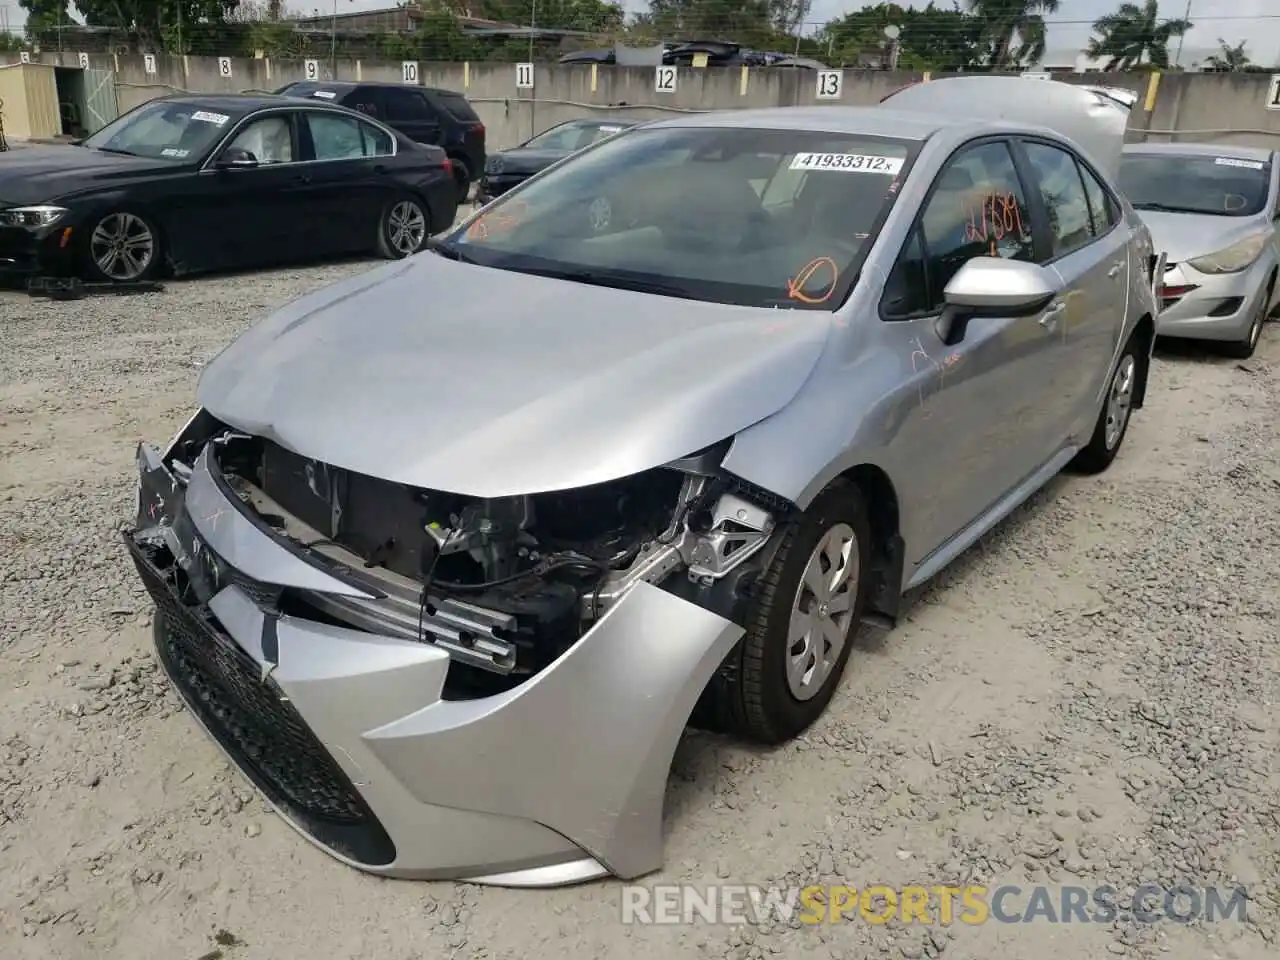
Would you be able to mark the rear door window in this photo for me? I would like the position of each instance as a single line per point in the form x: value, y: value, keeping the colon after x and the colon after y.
x: 406, y: 106
x: 366, y: 100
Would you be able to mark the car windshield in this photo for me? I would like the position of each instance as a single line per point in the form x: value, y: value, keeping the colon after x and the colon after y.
x: 162, y: 130
x: 1225, y: 185
x: 573, y: 135
x: 746, y: 216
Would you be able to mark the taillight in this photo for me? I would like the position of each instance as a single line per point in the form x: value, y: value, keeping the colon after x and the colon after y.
x: 479, y: 129
x: 447, y: 164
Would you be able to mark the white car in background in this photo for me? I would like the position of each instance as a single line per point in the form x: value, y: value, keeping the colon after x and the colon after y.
x: 1213, y: 209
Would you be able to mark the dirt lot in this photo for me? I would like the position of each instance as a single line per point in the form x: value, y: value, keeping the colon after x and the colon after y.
x: 1088, y: 697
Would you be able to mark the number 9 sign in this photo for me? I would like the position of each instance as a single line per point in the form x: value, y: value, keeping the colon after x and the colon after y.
x: 311, y: 69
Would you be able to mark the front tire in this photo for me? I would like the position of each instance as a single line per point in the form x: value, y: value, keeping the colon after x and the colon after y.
x: 403, y: 229
x: 1113, y: 420
x: 802, y: 623
x: 1243, y: 349
x: 122, y: 247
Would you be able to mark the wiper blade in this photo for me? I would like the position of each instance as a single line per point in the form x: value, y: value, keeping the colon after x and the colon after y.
x: 123, y: 153
x: 449, y: 252
x: 1165, y: 208
x: 601, y: 278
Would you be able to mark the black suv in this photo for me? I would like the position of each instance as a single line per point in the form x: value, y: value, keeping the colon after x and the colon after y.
x: 441, y: 118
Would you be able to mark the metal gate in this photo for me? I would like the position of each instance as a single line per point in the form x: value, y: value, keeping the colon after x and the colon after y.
x: 100, y: 106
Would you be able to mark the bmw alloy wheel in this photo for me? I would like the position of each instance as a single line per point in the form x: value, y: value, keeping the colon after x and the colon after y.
x: 1120, y: 399
x: 406, y: 227
x: 122, y: 246
x: 822, y: 611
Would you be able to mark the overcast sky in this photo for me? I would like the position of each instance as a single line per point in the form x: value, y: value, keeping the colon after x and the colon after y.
x: 1232, y: 20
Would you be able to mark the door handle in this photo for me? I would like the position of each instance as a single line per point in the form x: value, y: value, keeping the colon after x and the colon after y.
x: 1049, y: 319
x: 301, y: 178
x: 1115, y: 269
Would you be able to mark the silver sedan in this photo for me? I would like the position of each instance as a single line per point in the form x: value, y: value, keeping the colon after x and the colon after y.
x: 453, y: 550
x: 1212, y: 208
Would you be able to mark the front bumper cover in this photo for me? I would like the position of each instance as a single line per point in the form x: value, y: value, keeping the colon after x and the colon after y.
x: 352, y: 740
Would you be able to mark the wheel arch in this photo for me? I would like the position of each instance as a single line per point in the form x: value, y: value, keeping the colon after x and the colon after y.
x: 887, y: 547
x: 1145, y: 333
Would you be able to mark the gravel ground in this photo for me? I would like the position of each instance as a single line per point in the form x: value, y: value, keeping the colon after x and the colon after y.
x: 1088, y: 696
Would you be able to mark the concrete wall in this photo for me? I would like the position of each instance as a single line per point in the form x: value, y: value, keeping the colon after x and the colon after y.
x: 1191, y: 106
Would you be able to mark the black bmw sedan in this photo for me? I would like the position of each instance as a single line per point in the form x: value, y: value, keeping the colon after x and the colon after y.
x: 511, y: 167
x: 193, y: 183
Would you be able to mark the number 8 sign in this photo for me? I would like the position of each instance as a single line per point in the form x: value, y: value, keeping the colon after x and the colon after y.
x: 84, y: 61
x: 224, y: 66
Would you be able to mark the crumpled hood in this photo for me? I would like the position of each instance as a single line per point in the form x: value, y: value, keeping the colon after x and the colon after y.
x: 490, y: 383
x: 1185, y: 236
x: 37, y: 174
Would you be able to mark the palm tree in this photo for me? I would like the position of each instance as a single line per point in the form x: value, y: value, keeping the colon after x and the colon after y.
x: 1135, y: 35
x: 1229, y: 58
x: 1007, y: 20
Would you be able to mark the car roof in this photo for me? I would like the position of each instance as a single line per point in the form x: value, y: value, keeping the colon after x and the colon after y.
x: 1201, y: 150
x: 871, y: 121
x: 370, y: 85
x: 237, y: 103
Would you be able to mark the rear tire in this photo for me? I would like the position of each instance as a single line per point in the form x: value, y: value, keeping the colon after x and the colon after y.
x: 462, y: 179
x: 802, y: 623
x: 403, y: 228
x: 1117, y: 408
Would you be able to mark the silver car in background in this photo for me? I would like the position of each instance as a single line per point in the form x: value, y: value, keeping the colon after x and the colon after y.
x: 1212, y: 208
x: 453, y: 550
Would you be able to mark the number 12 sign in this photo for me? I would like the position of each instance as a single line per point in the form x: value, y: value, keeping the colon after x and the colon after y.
x: 664, y: 79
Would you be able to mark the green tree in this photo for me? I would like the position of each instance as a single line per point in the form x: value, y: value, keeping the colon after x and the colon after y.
x: 934, y: 38
x: 1016, y: 29
x: 1229, y: 58
x: 157, y: 24
x: 43, y: 16
x: 1135, y: 36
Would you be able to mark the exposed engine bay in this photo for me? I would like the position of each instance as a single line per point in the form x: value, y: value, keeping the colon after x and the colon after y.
x: 504, y: 585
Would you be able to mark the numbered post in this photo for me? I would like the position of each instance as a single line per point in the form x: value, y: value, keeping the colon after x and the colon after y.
x: 224, y: 67
x: 24, y: 57
x: 1273, y: 95
x: 149, y: 64
x: 409, y: 72
x: 524, y: 76
x: 664, y: 79
x: 311, y: 69
x: 830, y: 84
x: 84, y: 61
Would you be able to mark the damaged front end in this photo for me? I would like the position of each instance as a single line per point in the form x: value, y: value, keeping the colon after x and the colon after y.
x: 432, y: 685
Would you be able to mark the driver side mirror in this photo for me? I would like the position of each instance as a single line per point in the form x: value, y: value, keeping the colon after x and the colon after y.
x: 235, y: 158
x: 993, y: 287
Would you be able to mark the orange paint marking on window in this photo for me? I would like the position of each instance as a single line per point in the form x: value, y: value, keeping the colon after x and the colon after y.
x: 795, y: 286
x: 998, y: 216
x: 499, y: 221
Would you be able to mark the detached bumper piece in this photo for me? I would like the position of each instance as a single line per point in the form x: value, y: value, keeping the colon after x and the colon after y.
x: 251, y: 718
x: 352, y: 735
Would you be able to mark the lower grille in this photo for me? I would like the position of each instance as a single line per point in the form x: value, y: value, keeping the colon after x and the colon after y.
x: 253, y: 722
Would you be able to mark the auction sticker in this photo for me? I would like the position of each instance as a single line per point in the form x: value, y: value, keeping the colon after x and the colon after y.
x: 175, y: 152
x: 325, y: 94
x: 847, y: 162
x: 1232, y: 162
x: 217, y: 119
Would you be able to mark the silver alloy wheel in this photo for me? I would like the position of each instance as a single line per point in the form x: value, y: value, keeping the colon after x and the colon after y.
x: 1120, y: 400
x: 122, y: 246
x: 822, y: 612
x: 406, y: 227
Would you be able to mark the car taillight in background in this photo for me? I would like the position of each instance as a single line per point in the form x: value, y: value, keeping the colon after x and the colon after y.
x: 447, y: 166
x: 479, y: 128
